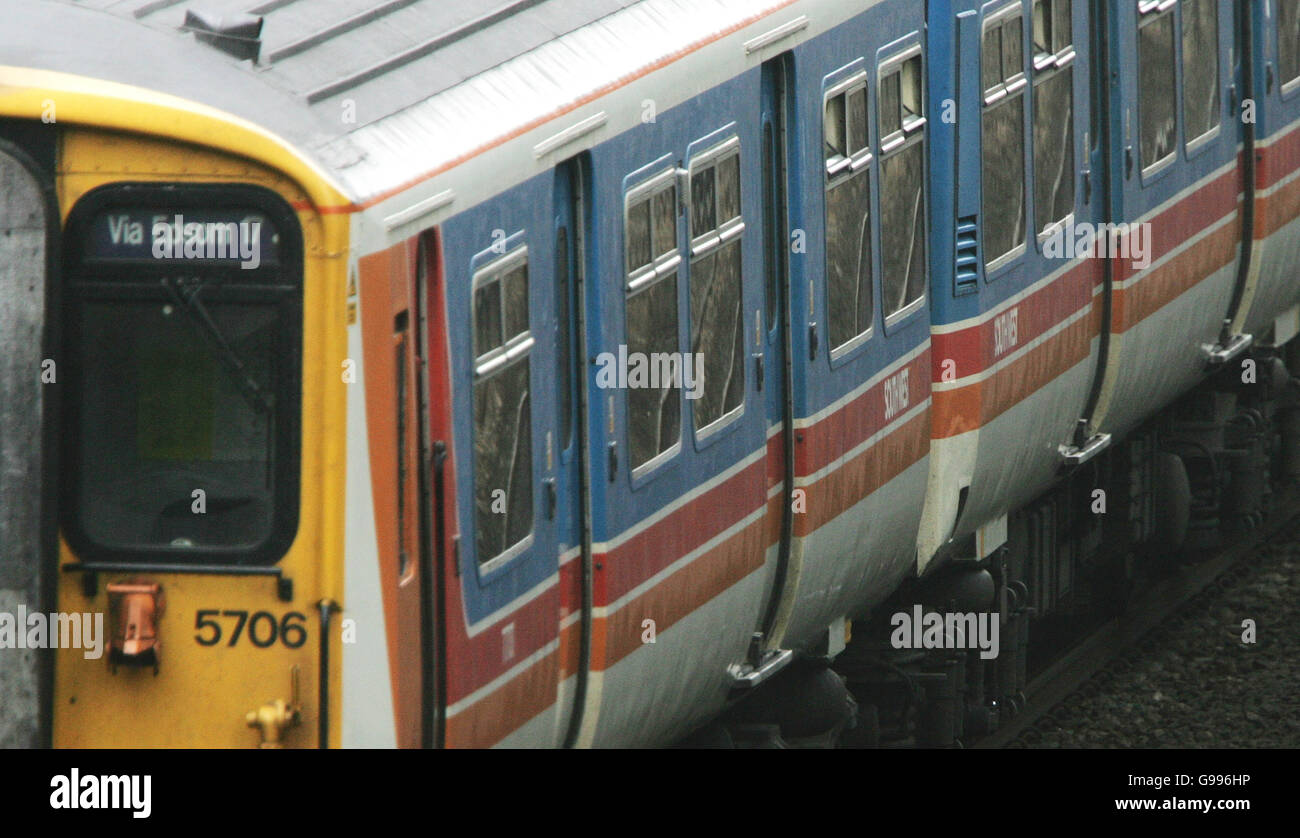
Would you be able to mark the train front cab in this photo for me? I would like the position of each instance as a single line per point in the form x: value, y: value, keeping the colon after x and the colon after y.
x: 195, y: 427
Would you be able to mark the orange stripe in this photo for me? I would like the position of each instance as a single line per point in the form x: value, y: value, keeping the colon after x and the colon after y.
x: 955, y: 411
x: 1278, y: 210
x: 968, y: 408
x: 1035, y: 369
x: 839, y: 491
x: 617, y: 635
x: 684, y: 592
x: 1131, y: 305
x: 503, y: 711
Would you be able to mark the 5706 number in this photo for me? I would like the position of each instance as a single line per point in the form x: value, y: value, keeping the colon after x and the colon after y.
x: 264, y: 629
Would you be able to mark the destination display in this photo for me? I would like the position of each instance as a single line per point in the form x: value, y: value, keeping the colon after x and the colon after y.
x: 242, y: 237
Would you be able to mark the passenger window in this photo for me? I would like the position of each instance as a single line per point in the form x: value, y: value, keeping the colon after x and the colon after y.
x: 1062, y: 25
x: 858, y: 119
x: 890, y: 109
x: 848, y: 197
x: 653, y: 261
x: 703, y: 201
x: 834, y: 129
x: 187, y: 376
x: 1156, y: 91
x: 1288, y: 40
x: 991, y: 58
x: 1013, y: 48
x: 716, y: 318
x: 1200, y: 68
x: 503, y: 478
x: 902, y: 186
x: 1002, y: 136
x: 1053, y: 114
x: 1042, y: 29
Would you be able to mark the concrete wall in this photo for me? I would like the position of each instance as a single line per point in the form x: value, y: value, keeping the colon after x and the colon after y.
x: 23, y: 519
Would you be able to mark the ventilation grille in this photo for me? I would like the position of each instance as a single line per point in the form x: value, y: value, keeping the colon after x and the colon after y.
x: 968, y: 254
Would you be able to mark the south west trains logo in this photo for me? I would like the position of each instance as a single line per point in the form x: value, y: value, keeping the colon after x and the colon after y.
x: 898, y: 393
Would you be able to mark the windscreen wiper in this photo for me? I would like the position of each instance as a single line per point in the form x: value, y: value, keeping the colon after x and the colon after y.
x: 186, y: 294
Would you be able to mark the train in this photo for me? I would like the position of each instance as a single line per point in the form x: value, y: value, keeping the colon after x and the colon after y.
x: 606, y: 373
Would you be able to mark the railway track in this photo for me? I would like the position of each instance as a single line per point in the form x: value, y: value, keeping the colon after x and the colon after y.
x: 1150, y: 609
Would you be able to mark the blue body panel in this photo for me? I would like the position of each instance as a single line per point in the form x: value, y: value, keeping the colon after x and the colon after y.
x: 525, y: 213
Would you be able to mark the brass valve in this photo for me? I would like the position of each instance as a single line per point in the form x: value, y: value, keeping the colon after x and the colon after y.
x: 276, y: 717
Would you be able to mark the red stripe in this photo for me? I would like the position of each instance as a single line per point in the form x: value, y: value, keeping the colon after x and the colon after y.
x: 664, y: 542
x: 686, y: 529
x: 971, y: 350
x: 831, y: 437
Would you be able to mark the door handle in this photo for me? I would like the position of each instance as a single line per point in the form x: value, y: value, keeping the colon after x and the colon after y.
x: 758, y: 369
x: 551, y: 498
x: 812, y: 341
x: 613, y: 460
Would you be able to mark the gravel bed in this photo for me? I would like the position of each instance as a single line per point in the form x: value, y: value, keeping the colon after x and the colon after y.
x: 1193, y: 682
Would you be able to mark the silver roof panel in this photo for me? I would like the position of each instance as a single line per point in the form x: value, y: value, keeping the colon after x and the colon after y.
x: 426, y: 81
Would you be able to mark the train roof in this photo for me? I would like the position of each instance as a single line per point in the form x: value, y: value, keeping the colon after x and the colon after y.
x: 392, y: 53
x: 427, y: 81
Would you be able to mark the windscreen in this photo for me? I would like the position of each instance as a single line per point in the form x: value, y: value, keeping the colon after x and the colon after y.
x: 183, y: 341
